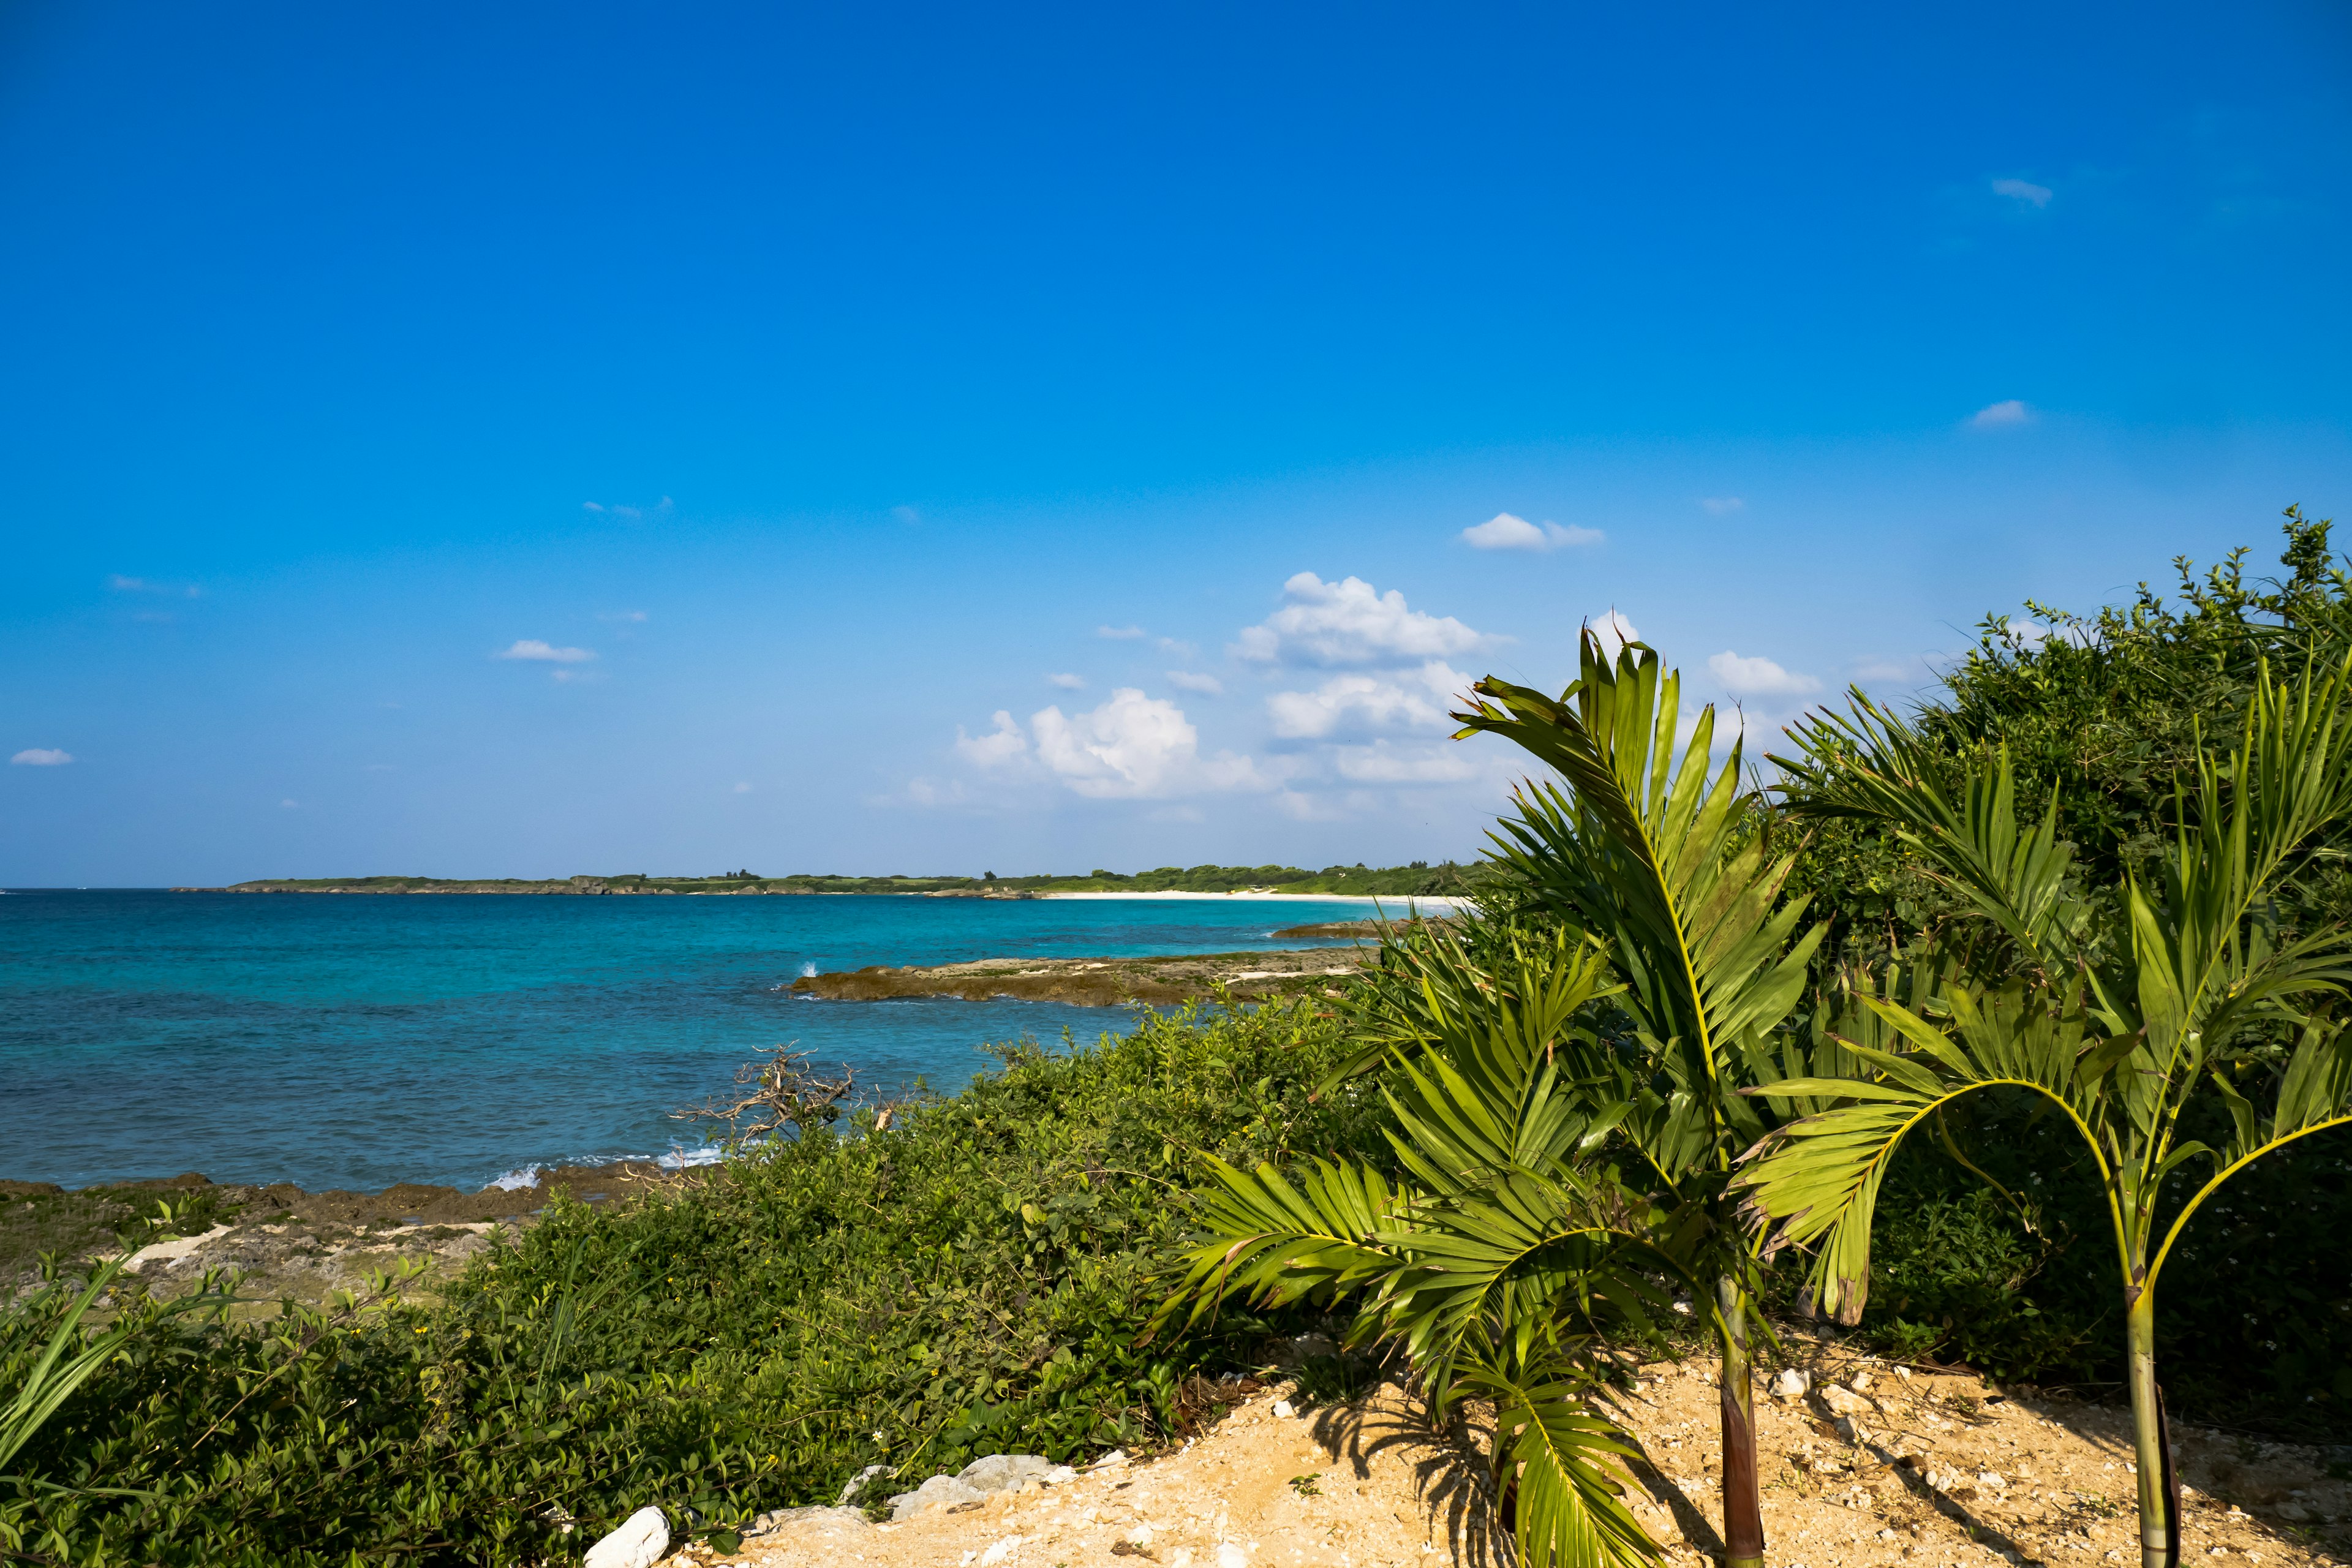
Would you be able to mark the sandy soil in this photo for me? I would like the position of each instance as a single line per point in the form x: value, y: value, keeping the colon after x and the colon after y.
x: 1947, y: 1473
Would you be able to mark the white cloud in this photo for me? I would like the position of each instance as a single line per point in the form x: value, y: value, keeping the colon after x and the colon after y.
x: 289, y: 805
x: 1759, y: 677
x: 1066, y: 682
x: 1875, y: 669
x: 621, y: 615
x: 2024, y: 191
x: 1386, y: 762
x: 1181, y: 649
x: 1348, y: 622
x: 1417, y: 699
x: 41, y: 757
x: 2001, y: 415
x: 1185, y: 680
x: 122, y: 585
x: 1001, y: 745
x: 1135, y: 747
x: 633, y: 513
x: 1503, y: 531
x: 533, y: 649
x: 1723, y: 506
x: 1613, y: 631
x: 1120, y: 633
x: 906, y: 514
x: 742, y: 789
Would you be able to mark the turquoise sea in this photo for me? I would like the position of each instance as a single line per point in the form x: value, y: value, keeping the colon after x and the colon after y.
x: 340, y: 1041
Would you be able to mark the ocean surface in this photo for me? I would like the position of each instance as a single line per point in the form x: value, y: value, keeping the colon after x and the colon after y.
x: 346, y: 1041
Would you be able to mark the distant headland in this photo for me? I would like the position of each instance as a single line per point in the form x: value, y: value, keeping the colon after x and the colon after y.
x: 1419, y: 880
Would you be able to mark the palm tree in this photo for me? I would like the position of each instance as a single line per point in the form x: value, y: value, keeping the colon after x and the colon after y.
x: 1664, y: 863
x: 2120, y: 1012
x: 1498, y: 1260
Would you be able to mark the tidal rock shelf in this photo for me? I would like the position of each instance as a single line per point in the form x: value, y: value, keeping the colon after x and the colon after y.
x: 1103, y: 982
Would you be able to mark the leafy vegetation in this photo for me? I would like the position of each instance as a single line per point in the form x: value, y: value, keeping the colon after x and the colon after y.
x: 2119, y: 1012
x: 971, y: 1279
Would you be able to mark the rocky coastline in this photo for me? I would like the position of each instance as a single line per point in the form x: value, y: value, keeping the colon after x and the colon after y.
x: 1160, y: 981
x: 285, y: 1242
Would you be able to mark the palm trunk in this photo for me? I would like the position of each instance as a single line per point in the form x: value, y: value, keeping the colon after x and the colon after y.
x: 2159, y: 1497
x: 1743, y: 1504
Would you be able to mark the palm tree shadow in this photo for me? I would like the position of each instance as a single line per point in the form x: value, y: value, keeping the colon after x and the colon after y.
x: 1447, y: 1467
x: 1689, y: 1518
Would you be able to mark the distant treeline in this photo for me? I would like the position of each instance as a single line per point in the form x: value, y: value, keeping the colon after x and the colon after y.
x: 1418, y: 879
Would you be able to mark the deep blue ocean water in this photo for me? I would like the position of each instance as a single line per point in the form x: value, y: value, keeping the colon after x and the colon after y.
x: 347, y: 1041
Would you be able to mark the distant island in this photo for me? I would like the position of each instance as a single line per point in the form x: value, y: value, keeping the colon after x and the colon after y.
x: 1418, y: 880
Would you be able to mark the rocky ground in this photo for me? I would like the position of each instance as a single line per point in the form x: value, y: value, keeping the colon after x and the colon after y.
x: 285, y: 1242
x: 1101, y: 982
x: 1916, y: 1468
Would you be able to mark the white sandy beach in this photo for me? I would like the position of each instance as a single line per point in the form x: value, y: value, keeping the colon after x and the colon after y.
x: 1394, y: 900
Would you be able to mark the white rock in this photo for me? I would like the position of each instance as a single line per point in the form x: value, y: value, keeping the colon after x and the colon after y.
x: 640, y: 1541
x: 1004, y: 1472
x: 858, y: 1483
x: 1859, y: 1382
x: 1000, y: 1552
x: 1794, y: 1383
x: 782, y: 1519
x: 1282, y: 1407
x: 1845, y: 1402
x: 1115, y: 1456
x: 1991, y: 1481
x: 939, y: 1491
x: 1851, y: 1429
x: 1232, y: 1556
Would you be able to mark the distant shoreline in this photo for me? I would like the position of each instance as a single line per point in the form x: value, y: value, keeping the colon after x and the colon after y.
x: 1447, y: 884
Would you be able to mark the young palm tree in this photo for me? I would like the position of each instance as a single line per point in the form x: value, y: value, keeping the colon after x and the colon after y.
x: 2120, y: 1012
x: 1493, y: 1264
x: 1662, y: 862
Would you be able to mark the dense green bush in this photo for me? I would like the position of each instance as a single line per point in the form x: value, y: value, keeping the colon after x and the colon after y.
x: 2102, y: 712
x: 969, y: 1281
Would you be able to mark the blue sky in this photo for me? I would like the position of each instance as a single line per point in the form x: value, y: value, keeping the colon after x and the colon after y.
x: 594, y: 438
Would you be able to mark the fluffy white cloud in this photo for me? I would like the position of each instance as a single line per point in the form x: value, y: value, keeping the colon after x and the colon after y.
x: 1135, y: 747
x: 533, y: 649
x: 1120, y: 633
x: 1503, y: 531
x: 1722, y: 506
x: 1066, y: 682
x: 1414, y: 699
x: 1186, y: 680
x: 2001, y: 415
x: 1759, y: 677
x: 2024, y: 191
x: 1349, y: 622
x: 41, y: 757
x: 999, y: 746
